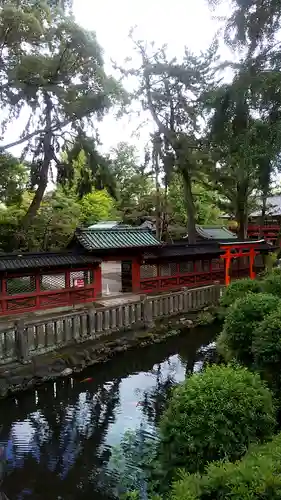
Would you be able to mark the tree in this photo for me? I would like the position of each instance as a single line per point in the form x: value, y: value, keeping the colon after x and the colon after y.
x: 51, y: 229
x: 134, y: 183
x: 84, y: 168
x: 251, y: 24
x: 170, y: 92
x: 251, y: 103
x: 13, y: 179
x: 97, y: 206
x: 206, y: 202
x: 55, y: 69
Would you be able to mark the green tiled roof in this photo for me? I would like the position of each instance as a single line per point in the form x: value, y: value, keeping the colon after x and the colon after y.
x: 215, y: 233
x: 104, y: 239
x: 12, y: 262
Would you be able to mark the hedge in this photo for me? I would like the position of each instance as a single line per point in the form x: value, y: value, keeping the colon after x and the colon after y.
x: 257, y: 476
x: 213, y: 415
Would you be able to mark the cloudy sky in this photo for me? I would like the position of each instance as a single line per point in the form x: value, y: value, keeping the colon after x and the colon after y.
x: 177, y: 23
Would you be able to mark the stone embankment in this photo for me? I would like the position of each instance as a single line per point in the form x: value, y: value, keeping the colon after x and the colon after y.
x: 44, y: 350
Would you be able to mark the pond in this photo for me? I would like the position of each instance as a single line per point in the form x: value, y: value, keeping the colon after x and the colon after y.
x: 58, y: 439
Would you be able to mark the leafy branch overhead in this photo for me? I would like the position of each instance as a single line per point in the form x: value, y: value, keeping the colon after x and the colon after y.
x: 54, y: 69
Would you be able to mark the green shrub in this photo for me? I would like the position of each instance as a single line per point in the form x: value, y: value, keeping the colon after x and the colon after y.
x: 276, y: 271
x: 257, y: 476
x: 266, y: 348
x: 238, y: 289
x: 241, y: 321
x: 272, y: 284
x: 213, y: 415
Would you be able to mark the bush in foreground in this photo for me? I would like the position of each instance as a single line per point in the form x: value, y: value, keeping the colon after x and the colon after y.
x: 256, y: 476
x: 238, y: 289
x: 241, y: 321
x: 266, y: 348
x: 214, y: 415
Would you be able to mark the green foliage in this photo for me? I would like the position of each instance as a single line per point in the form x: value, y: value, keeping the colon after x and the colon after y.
x: 13, y: 179
x: 214, y: 415
x: 51, y: 229
x: 205, y: 318
x: 266, y: 348
x: 205, y: 203
x: 238, y: 289
x: 241, y: 322
x: 97, y: 206
x: 135, y: 187
x: 272, y: 284
x: 83, y: 167
x: 256, y: 477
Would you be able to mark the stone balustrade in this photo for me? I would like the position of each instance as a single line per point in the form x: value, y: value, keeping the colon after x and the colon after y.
x: 24, y: 340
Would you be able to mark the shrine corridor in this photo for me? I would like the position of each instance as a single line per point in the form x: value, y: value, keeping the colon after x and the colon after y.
x: 57, y: 440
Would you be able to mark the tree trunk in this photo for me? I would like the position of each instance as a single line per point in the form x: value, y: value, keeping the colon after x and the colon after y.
x: 165, y: 222
x: 43, y: 178
x: 242, y: 211
x: 262, y: 217
x: 190, y: 207
x: 242, y: 224
x: 157, y: 185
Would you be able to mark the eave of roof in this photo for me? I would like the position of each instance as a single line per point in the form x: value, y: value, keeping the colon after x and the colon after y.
x: 215, y: 233
x: 184, y: 250
x: 13, y: 262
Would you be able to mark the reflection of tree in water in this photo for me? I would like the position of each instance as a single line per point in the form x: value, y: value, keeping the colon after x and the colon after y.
x: 154, y: 400
x: 67, y: 439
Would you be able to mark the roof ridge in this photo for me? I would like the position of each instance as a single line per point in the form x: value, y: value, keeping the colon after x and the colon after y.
x: 118, y: 229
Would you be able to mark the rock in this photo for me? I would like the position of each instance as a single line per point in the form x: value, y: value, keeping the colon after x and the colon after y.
x: 66, y: 372
x: 72, y: 360
x: 42, y: 371
x: 171, y: 333
x: 58, y: 365
x: 87, y: 356
x: 17, y: 380
x: 4, y: 387
x: 189, y: 323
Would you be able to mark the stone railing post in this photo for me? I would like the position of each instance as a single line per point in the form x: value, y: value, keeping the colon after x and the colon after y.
x: 147, y: 313
x: 21, y: 338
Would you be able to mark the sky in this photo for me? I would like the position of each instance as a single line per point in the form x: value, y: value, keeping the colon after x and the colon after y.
x: 177, y: 23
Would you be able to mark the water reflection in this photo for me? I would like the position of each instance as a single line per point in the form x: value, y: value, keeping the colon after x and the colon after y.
x: 57, y: 439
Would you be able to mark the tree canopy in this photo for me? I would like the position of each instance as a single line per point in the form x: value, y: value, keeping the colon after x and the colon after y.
x: 215, y: 146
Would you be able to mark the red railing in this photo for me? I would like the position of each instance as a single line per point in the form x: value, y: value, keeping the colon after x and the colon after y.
x: 68, y: 290
x: 197, y: 273
x: 189, y: 280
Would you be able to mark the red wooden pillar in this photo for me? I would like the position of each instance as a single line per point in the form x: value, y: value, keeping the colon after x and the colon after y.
x: 136, y: 275
x: 227, y: 257
x: 67, y: 286
x: 37, y: 289
x: 97, y: 281
x: 252, y: 261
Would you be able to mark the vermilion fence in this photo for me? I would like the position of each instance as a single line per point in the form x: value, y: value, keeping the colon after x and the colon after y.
x: 22, y: 292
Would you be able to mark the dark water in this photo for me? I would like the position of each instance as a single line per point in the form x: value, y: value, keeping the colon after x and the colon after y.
x: 58, y: 439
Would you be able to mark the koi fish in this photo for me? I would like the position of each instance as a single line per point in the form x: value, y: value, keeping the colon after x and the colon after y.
x: 89, y: 379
